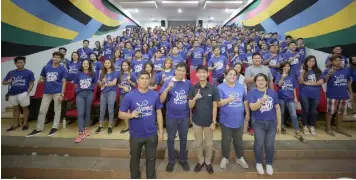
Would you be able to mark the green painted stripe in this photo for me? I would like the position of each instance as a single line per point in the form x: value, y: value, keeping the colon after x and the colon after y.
x: 104, y: 32
x: 252, y: 7
x: 342, y: 37
x: 16, y: 35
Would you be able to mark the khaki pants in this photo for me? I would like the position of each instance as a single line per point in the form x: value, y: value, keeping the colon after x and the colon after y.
x: 46, y: 101
x: 203, y: 134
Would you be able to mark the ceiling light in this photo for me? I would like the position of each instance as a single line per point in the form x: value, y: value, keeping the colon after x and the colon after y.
x: 211, y: 18
x: 222, y: 2
x: 184, y: 2
x: 136, y: 10
x: 226, y: 10
x: 179, y: 10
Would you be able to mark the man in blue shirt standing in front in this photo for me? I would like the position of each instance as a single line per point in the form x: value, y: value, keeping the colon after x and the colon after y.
x: 54, y: 78
x: 142, y: 107
x: 175, y: 94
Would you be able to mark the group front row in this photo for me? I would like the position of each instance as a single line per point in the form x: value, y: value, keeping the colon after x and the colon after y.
x: 141, y: 108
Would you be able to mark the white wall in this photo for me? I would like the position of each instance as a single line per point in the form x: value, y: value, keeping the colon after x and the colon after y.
x: 150, y: 24
x: 35, y: 62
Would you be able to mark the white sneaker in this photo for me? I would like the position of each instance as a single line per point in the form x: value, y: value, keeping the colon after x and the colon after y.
x: 242, y: 162
x: 312, y: 130
x: 260, y: 169
x: 354, y: 116
x: 223, y: 163
x: 269, y: 169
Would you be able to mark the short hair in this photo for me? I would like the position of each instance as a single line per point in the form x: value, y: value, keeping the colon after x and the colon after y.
x: 85, y: 41
x: 57, y: 53
x: 62, y: 48
x: 138, y: 50
x: 182, y: 65
x: 282, y: 65
x: 288, y: 36
x: 300, y: 39
x: 201, y: 67
x: 256, y: 54
x: 260, y: 75
x: 216, y: 47
x: 143, y: 73
x: 275, y: 33
x: 332, y: 58
x: 20, y: 58
x: 292, y: 42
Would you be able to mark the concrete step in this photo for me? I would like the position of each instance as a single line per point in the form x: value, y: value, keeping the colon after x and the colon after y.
x: 285, y: 149
x: 102, y: 168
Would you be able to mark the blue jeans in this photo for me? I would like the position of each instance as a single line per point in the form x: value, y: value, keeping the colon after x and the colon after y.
x: 107, y: 98
x: 265, y: 135
x: 84, y: 99
x: 182, y: 126
x: 292, y: 112
x: 309, y: 110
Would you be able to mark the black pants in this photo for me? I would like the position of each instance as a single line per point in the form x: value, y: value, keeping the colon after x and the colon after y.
x: 136, y: 145
x: 234, y: 134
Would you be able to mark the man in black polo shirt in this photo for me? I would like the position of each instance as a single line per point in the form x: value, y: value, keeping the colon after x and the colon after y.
x: 203, y: 98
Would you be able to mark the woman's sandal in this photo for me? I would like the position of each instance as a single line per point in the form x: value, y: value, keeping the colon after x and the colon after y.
x: 300, y: 137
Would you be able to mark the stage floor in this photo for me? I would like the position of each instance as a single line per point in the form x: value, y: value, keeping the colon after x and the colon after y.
x: 71, y: 131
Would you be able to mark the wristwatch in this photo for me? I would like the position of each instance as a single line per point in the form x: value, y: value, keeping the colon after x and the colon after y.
x: 215, y: 122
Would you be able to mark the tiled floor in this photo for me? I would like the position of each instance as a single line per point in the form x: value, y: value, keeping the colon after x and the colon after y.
x: 71, y: 132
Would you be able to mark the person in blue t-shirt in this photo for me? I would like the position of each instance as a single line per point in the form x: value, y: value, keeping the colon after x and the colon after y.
x: 108, y: 50
x: 338, y: 90
x: 63, y: 62
x: 247, y: 61
x: 287, y: 96
x: 126, y: 83
x: 107, y: 83
x: 117, y: 60
x: 146, y: 54
x: 138, y: 63
x: 84, y: 82
x: 301, y: 48
x: 217, y: 64
x: 142, y: 107
x: 176, y: 58
x: 84, y: 51
x: 292, y: 56
x: 236, y: 57
x: 73, y: 66
x: 154, y: 77
x: 168, y: 71
x: 54, y: 78
x: 264, y: 50
x: 98, y: 50
x: 175, y: 93
x: 20, y: 82
x: 266, y: 121
x: 233, y: 106
x: 337, y: 51
x: 196, y: 54
x: 284, y: 44
x: 96, y: 65
x: 273, y: 60
x: 181, y: 51
x: 128, y: 53
x: 157, y: 61
x: 353, y: 84
x: 309, y: 93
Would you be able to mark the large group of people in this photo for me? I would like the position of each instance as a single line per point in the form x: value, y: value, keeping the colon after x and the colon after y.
x: 255, y: 78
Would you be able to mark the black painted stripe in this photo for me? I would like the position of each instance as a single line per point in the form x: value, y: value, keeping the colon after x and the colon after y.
x: 257, y: 27
x: 347, y: 50
x: 292, y: 9
x: 71, y: 10
x: 104, y: 28
x: 9, y: 49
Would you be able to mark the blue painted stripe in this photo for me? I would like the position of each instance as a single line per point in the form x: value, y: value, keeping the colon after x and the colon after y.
x: 88, y: 31
x: 49, y: 13
x: 318, y: 11
x: 270, y: 26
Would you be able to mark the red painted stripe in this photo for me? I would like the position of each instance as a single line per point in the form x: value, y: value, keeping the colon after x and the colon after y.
x: 4, y: 59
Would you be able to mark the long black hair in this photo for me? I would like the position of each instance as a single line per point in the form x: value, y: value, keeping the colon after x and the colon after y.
x: 315, y: 68
x: 91, y: 72
x: 122, y: 70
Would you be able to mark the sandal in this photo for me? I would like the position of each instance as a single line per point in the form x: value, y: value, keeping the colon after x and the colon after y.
x: 330, y: 133
x: 343, y: 132
x: 300, y: 137
x: 124, y: 130
x: 12, y: 128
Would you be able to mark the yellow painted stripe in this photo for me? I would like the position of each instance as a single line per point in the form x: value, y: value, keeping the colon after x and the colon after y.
x: 274, y: 7
x: 88, y: 8
x: 341, y: 20
x: 15, y: 16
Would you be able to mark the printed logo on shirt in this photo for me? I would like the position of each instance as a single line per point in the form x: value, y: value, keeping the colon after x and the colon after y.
x: 18, y: 81
x: 229, y: 46
x: 138, y: 68
x: 295, y: 60
x: 219, y: 64
x: 311, y: 78
x: 85, y: 83
x: 267, y: 105
x: 73, y: 69
x: 287, y: 85
x: 180, y: 98
x: 197, y: 55
x: 117, y: 67
x: 158, y: 66
x: 340, y: 81
x: 237, y: 100
x: 51, y: 76
x: 108, y: 51
x: 94, y: 68
x: 144, y: 109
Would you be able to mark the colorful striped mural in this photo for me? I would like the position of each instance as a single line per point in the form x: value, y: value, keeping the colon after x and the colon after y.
x: 322, y: 23
x: 33, y: 26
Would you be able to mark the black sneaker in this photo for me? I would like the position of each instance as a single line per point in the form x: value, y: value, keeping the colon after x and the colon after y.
x: 33, y: 133
x: 110, y: 130
x: 52, y: 132
x: 12, y: 128
x: 185, y: 166
x: 170, y: 167
x: 209, y: 168
x: 98, y: 130
x: 198, y: 167
x: 124, y: 130
x: 24, y: 127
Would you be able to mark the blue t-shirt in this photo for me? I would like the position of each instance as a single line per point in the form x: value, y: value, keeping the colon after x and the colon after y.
x: 117, y: 64
x: 267, y: 110
x: 166, y: 45
x: 109, y: 77
x: 238, y: 59
x: 177, y: 99
x: 310, y: 91
x: 158, y: 63
x: 343, y: 58
x: 20, y: 80
x: 108, y: 52
x: 84, y: 53
x: 223, y: 50
x: 336, y: 87
x: 264, y: 54
x: 53, y: 78
x: 183, y: 54
x: 232, y: 114
x: 248, y: 58
x: 274, y: 61
x: 64, y: 62
x: 146, y: 56
x: 98, y: 51
x: 146, y: 104
x: 286, y: 91
x: 187, y: 46
x: 197, y: 57
x: 97, y: 66
x: 123, y: 82
x: 85, y: 82
x: 295, y: 64
x: 221, y: 61
x: 73, y: 69
x: 353, y: 73
x: 137, y: 66
x: 301, y: 51
x: 126, y: 53
x: 229, y: 46
x: 169, y: 74
x: 176, y: 60
x: 209, y: 50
